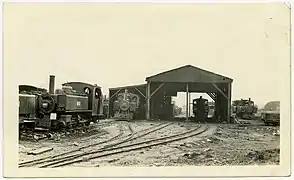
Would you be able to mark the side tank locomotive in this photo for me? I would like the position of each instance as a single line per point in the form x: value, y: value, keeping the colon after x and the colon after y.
x: 200, y: 109
x: 76, y: 104
x: 126, y: 105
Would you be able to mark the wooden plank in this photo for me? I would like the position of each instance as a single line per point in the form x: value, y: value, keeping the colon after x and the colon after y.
x: 187, y: 101
x: 212, y: 96
x: 229, y: 103
x: 189, y: 104
x: 40, y: 151
x: 148, y: 101
x: 220, y: 91
x: 140, y: 93
x: 157, y: 89
x: 114, y: 94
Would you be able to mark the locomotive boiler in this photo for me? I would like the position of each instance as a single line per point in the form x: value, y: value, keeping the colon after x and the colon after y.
x: 200, y: 109
x: 126, y: 105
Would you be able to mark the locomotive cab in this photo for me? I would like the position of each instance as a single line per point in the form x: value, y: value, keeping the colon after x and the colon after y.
x: 27, y: 111
x: 28, y: 105
x: 94, y: 98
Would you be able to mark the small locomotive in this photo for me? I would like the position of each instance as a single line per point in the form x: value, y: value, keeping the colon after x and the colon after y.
x: 28, y: 105
x: 244, y: 109
x: 126, y: 105
x: 200, y: 109
x: 75, y: 104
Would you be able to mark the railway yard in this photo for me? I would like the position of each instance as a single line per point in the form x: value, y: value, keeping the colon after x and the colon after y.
x: 76, y: 126
x: 153, y: 143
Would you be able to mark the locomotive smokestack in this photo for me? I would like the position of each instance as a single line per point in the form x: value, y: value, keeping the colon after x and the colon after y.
x: 51, y: 84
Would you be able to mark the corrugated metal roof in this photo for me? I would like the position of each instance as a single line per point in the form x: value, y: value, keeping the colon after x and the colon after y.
x: 189, y: 74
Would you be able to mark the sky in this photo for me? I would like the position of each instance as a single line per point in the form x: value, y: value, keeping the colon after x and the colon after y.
x: 121, y: 44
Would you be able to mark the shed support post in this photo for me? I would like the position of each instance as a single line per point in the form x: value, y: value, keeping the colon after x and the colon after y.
x: 229, y: 103
x: 187, y: 101
x: 108, y: 110
x: 189, y: 104
x: 148, y: 101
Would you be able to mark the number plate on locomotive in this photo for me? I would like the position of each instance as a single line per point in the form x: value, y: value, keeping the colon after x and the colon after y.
x: 78, y: 103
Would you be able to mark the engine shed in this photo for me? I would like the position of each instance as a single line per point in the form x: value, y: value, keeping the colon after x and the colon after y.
x: 190, y: 79
x: 140, y: 90
x: 156, y: 95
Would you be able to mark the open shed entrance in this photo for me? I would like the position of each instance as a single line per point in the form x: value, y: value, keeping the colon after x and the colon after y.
x: 187, y: 79
x: 180, y: 101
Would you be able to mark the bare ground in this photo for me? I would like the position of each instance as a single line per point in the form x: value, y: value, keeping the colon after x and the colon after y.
x: 221, y: 144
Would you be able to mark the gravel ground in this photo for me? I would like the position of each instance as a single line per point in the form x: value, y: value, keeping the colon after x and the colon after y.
x: 221, y: 144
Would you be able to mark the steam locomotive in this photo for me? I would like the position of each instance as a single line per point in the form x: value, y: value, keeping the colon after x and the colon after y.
x: 76, y: 104
x: 200, y: 109
x: 126, y: 105
x: 244, y: 109
x: 28, y: 105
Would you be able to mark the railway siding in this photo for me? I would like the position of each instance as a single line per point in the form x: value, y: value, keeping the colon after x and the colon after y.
x: 156, y: 143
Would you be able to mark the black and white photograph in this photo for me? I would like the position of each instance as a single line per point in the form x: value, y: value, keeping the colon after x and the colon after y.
x: 198, y: 89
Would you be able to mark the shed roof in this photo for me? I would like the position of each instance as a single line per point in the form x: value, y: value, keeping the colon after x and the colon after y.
x: 189, y: 74
x: 125, y: 87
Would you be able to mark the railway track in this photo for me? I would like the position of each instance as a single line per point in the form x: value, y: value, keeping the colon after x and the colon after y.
x: 37, y: 135
x: 125, y: 148
x: 59, y: 157
x: 35, y: 161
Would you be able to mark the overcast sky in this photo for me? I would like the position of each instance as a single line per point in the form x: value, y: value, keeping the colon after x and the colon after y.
x: 115, y: 45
